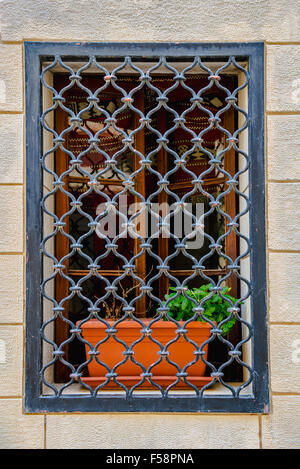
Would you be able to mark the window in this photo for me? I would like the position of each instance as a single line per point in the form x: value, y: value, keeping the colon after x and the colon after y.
x: 145, y: 228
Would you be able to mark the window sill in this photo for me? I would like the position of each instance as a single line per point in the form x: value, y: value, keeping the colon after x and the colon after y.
x: 215, y: 389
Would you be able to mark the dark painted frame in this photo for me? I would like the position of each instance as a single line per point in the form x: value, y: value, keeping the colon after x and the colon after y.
x: 256, y: 402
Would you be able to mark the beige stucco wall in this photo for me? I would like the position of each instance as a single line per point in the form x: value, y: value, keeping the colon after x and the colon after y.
x: 277, y: 23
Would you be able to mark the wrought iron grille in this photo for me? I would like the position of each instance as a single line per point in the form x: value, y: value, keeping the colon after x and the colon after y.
x: 145, y: 228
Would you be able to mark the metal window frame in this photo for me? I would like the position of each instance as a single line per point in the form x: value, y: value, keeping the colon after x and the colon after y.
x: 258, y: 400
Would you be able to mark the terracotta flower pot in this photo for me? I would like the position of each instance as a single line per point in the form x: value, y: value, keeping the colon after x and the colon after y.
x: 146, y: 353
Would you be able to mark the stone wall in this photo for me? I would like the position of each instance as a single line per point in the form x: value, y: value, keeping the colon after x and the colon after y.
x: 277, y: 23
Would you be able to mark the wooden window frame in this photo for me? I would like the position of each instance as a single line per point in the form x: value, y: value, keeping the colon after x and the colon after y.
x: 256, y: 401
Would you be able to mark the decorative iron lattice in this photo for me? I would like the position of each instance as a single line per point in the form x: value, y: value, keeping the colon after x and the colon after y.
x: 162, y: 127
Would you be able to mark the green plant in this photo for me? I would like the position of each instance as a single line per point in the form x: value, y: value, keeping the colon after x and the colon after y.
x: 215, y: 308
